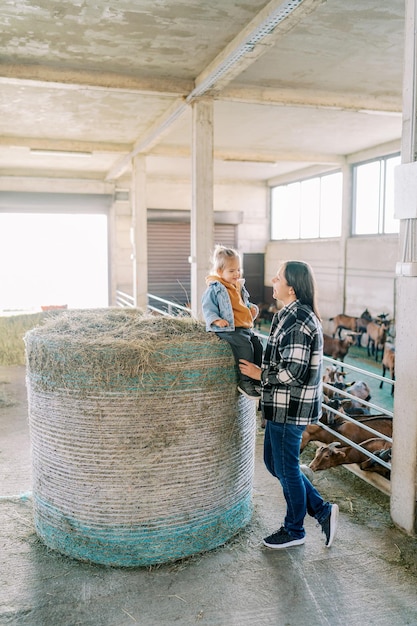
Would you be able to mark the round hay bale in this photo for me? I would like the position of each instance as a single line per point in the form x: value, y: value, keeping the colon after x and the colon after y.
x: 142, y: 449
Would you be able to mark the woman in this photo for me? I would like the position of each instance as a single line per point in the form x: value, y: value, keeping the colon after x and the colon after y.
x: 291, y: 389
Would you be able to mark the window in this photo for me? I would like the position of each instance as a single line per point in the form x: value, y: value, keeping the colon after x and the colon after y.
x: 373, y: 197
x: 307, y: 209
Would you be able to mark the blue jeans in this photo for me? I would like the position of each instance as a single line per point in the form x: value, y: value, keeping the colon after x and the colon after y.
x: 281, y: 457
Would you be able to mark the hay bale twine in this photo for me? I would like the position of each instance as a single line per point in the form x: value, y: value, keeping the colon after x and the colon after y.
x: 142, y: 449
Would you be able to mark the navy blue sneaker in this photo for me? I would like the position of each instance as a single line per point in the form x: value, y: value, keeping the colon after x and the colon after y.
x: 329, y: 526
x: 281, y: 539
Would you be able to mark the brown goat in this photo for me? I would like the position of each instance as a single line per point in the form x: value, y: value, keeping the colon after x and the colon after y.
x: 370, y: 465
x: 337, y: 348
x: 377, y: 335
x: 350, y: 430
x: 348, y: 322
x: 388, y: 363
x: 335, y: 454
x: 334, y: 377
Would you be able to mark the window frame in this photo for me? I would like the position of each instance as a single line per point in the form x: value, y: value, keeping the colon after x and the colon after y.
x: 382, y: 200
x: 300, y: 181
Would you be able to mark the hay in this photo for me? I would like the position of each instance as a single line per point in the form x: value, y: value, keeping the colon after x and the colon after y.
x: 114, y: 347
x: 12, y: 330
x: 142, y: 449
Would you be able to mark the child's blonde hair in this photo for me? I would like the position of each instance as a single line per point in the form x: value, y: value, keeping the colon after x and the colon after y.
x: 221, y: 256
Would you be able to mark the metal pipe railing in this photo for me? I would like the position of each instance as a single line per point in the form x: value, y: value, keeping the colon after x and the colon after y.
x: 169, y: 308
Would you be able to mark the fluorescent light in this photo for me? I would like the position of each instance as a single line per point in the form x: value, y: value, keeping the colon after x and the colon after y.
x: 63, y: 153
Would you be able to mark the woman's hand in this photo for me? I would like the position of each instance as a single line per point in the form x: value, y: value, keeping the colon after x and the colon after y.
x: 250, y: 369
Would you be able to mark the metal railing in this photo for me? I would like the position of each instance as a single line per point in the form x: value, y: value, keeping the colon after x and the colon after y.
x: 124, y: 299
x: 376, y: 480
x: 165, y: 307
x: 155, y: 303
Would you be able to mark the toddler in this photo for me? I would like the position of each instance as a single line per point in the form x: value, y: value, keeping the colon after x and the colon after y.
x: 229, y: 313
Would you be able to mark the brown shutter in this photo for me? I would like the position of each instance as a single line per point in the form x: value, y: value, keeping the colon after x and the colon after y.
x: 168, y: 251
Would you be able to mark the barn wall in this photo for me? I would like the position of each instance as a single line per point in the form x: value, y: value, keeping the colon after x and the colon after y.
x: 323, y: 257
x: 250, y: 199
x: 370, y: 272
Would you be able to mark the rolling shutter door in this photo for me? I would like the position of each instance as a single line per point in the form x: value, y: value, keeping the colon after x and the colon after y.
x: 169, y: 274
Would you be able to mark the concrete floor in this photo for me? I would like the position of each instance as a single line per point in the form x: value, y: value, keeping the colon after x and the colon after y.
x: 368, y: 577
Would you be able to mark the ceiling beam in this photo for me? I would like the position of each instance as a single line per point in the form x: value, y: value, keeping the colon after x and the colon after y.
x: 43, y: 76
x: 252, y: 156
x: 383, y: 104
x: 64, y: 145
x: 276, y: 18
x: 145, y: 143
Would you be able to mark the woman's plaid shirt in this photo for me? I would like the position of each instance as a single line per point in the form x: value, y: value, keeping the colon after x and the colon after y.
x: 292, y: 367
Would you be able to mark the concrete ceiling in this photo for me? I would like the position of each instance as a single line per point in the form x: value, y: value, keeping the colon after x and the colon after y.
x: 118, y: 79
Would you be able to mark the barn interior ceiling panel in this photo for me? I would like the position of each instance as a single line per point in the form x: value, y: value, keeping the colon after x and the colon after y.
x: 85, y: 86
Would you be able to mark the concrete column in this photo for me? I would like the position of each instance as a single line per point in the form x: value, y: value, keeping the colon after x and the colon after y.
x: 139, y: 233
x: 202, y: 216
x: 111, y: 247
x: 346, y: 228
x: 404, y: 451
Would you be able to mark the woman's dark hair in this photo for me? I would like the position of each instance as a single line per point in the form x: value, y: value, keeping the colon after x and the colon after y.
x: 300, y: 277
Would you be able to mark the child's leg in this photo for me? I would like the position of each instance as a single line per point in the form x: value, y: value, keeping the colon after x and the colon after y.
x: 257, y: 350
x: 242, y: 348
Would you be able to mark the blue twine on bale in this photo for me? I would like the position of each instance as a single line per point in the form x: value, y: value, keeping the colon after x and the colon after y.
x: 150, y: 544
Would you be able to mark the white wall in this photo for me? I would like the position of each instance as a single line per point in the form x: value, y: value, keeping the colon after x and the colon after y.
x: 370, y: 273
x: 249, y: 198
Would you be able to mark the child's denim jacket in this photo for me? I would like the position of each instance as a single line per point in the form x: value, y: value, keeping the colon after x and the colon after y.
x: 216, y: 305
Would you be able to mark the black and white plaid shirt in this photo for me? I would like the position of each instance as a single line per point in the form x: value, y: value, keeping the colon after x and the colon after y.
x: 292, y: 367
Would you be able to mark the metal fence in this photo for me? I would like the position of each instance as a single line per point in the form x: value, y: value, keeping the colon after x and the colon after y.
x: 378, y: 481
x: 155, y: 304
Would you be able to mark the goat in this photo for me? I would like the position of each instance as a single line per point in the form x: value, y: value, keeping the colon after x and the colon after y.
x: 377, y: 335
x: 348, y: 322
x: 336, y: 454
x: 334, y: 377
x: 353, y: 408
x: 337, y: 348
x: 360, y: 390
x: 370, y: 465
x: 350, y: 430
x: 388, y: 363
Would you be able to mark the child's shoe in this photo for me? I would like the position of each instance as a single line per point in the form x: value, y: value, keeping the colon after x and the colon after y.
x: 247, y: 388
